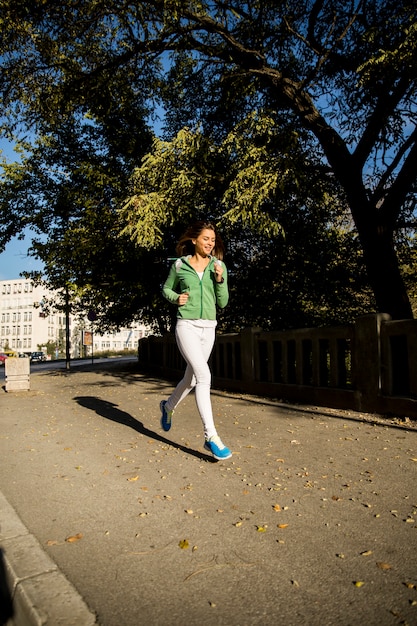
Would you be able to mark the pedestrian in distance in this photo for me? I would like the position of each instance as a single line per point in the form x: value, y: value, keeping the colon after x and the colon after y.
x: 197, y: 285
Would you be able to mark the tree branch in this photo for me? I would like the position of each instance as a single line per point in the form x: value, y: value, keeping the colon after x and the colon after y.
x: 383, y: 109
x: 399, y: 189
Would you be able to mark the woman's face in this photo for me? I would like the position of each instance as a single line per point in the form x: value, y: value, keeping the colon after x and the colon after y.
x: 205, y: 242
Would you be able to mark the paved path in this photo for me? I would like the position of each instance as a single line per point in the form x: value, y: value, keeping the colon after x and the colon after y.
x: 107, y: 519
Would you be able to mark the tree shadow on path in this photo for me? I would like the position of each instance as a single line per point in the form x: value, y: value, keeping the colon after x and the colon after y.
x: 110, y: 411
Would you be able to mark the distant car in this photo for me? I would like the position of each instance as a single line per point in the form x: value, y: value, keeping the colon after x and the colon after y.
x: 3, y: 357
x: 37, y: 357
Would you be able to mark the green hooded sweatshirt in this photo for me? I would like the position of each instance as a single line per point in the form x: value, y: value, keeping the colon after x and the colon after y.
x: 204, y: 294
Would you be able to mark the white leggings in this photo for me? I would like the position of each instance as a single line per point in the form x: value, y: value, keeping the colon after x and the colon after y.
x: 195, y: 344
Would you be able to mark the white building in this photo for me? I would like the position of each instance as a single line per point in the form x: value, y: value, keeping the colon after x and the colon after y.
x: 24, y: 327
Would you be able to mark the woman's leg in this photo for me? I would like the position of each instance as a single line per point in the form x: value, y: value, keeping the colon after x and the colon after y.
x: 195, y: 345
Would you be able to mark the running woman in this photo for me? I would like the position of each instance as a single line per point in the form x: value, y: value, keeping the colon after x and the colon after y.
x: 197, y: 284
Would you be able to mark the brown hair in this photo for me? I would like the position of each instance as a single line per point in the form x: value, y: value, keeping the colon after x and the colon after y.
x: 186, y: 246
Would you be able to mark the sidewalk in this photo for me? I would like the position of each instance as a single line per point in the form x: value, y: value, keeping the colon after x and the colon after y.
x: 106, y: 519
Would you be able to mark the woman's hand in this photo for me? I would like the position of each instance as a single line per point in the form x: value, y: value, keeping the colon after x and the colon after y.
x: 182, y: 299
x: 218, y: 271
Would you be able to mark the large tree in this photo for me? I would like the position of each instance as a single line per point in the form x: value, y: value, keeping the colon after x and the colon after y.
x: 345, y: 70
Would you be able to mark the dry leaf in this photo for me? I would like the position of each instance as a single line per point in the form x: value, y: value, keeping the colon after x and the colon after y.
x: 276, y: 507
x: 261, y: 529
x: 189, y: 511
x: 131, y: 480
x: 366, y: 553
x: 183, y: 544
x: 358, y: 583
x: 74, y: 538
x: 384, y: 566
x: 282, y: 525
x: 52, y: 542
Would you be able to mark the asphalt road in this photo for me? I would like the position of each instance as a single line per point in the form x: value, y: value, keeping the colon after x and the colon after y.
x: 313, y: 520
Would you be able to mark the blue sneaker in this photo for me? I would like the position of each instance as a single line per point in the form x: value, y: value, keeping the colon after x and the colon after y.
x: 217, y: 448
x: 166, y: 416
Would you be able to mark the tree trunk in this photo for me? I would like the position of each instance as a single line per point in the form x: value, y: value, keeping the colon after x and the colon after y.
x: 381, y: 262
x: 376, y: 231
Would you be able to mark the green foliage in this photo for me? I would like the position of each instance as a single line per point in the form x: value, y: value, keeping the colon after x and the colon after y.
x: 174, y: 180
x: 259, y: 99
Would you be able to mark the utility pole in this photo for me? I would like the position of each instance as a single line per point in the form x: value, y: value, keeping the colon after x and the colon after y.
x: 67, y: 329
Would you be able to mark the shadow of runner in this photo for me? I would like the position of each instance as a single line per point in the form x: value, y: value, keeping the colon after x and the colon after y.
x: 6, y: 602
x: 110, y: 411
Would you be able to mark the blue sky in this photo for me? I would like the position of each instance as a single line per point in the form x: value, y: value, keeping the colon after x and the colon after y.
x: 14, y: 259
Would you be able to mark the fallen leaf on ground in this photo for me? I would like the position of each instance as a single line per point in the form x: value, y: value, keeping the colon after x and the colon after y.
x: 183, y: 544
x: 74, y: 538
x: 383, y: 565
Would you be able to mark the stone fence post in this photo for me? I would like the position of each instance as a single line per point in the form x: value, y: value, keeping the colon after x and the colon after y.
x: 367, y: 379
x: 247, y: 347
x: 17, y: 373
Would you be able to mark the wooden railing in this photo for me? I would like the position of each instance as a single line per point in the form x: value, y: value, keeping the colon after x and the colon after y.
x: 369, y: 365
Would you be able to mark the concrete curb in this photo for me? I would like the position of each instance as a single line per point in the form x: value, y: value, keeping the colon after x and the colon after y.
x: 40, y: 593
